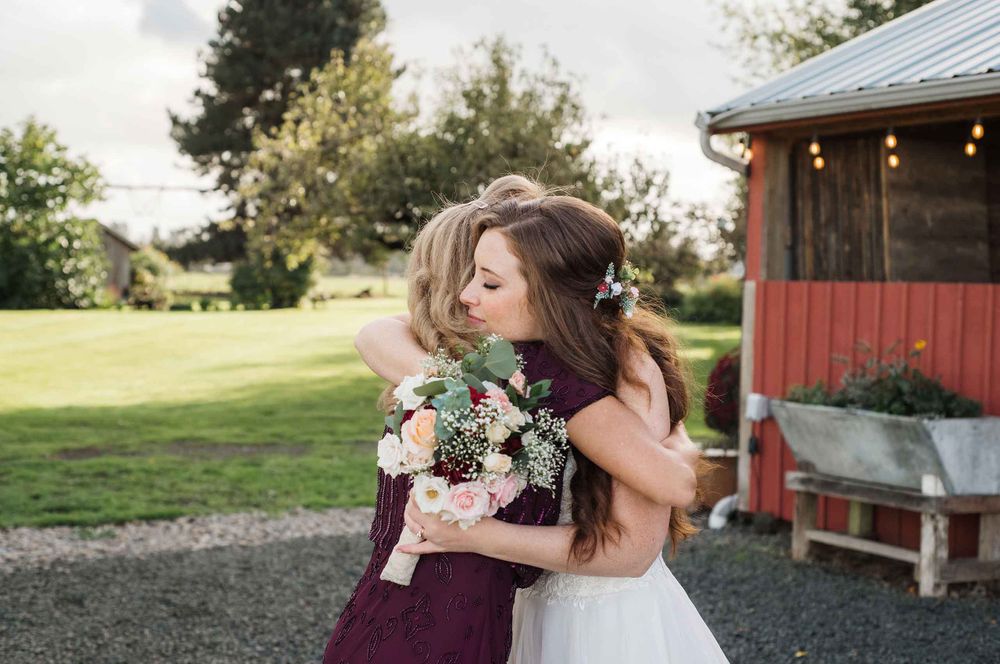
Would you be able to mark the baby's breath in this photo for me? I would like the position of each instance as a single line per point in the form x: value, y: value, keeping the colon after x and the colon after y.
x: 441, y: 365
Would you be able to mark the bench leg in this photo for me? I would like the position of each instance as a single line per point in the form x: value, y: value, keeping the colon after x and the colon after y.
x: 805, y: 519
x: 933, y: 554
x: 989, y: 536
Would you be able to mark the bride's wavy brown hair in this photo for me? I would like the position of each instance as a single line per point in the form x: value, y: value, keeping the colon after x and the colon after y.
x: 564, y: 245
x: 442, y: 263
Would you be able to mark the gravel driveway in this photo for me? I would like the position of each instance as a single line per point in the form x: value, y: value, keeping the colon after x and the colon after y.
x: 277, y: 602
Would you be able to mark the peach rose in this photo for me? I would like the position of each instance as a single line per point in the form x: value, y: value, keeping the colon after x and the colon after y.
x: 419, y: 439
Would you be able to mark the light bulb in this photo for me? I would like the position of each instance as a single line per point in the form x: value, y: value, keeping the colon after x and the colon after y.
x: 819, y: 163
x: 890, y: 140
x: 893, y: 161
x: 748, y: 154
x: 978, y: 131
x: 814, y: 148
x: 970, y: 149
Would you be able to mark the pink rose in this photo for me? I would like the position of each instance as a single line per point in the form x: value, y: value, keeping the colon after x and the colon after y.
x: 468, y: 501
x: 507, y: 490
x: 498, y: 395
x: 517, y: 380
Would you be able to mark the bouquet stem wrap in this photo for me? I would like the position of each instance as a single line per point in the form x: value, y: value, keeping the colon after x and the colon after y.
x: 399, y: 568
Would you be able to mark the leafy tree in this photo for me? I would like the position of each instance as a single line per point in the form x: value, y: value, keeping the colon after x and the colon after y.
x: 49, y: 258
x: 351, y: 171
x: 309, y: 183
x: 769, y: 38
x: 263, y: 52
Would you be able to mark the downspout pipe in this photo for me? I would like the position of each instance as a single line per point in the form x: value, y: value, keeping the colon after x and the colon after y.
x: 732, y: 163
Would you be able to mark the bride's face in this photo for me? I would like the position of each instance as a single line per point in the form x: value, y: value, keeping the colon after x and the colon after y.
x: 497, y: 296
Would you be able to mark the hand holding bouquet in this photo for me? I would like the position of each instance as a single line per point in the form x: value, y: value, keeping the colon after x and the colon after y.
x: 471, y: 435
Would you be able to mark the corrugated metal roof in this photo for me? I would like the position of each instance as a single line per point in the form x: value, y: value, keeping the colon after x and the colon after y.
x: 948, y: 49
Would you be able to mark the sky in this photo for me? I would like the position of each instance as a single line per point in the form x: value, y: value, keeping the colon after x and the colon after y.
x: 103, y: 74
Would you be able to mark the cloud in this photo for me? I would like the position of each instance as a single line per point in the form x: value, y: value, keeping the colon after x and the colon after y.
x: 173, y: 21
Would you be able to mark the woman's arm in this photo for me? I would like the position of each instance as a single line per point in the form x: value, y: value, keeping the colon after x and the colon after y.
x: 614, y: 438
x: 389, y: 349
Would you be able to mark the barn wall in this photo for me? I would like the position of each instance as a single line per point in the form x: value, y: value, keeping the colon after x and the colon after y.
x: 800, y: 325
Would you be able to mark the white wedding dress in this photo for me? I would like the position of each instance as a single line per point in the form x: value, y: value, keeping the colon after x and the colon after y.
x: 573, y: 619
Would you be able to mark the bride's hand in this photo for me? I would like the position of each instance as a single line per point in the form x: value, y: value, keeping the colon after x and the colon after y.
x: 439, y: 537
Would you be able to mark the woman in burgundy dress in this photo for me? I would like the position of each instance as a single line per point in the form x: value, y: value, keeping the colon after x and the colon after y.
x: 458, y: 607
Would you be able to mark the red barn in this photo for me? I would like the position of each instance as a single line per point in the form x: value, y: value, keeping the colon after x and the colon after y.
x: 873, y: 215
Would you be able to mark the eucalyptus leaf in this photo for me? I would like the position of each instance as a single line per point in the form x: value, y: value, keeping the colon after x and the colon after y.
x: 474, y: 381
x: 472, y: 362
x: 430, y: 389
x: 501, y: 360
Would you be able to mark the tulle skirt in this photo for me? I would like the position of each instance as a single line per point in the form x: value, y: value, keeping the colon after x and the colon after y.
x: 570, y: 619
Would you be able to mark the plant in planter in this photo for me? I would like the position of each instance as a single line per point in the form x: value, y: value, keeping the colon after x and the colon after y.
x: 889, y: 423
x: 890, y: 384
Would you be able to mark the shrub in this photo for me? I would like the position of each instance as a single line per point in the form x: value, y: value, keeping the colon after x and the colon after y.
x: 721, y: 301
x: 49, y: 264
x: 259, y: 283
x: 148, y: 281
x: 722, y: 395
x: 890, y: 384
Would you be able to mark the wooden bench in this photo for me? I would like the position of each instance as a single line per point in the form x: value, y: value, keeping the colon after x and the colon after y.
x: 932, y: 569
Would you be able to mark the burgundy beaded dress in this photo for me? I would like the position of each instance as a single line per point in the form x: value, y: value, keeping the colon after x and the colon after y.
x: 458, y: 608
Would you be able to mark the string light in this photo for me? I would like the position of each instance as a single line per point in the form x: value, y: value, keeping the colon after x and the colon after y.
x: 814, y: 147
x: 893, y: 161
x: 978, y: 131
x: 890, y: 139
x: 819, y: 163
x: 970, y: 149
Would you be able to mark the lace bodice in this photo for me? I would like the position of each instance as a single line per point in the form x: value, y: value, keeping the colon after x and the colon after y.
x: 576, y: 588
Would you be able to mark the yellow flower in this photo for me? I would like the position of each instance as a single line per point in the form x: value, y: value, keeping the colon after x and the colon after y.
x: 920, y: 345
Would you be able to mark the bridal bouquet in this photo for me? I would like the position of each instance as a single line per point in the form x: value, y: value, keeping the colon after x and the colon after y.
x: 471, y: 435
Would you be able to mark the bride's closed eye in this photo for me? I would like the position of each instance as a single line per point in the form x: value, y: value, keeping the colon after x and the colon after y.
x: 490, y: 286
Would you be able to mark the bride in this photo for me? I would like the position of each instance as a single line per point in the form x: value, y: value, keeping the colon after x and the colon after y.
x: 609, y: 594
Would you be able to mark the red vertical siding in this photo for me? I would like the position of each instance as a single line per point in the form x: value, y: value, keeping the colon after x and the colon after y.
x: 801, y: 325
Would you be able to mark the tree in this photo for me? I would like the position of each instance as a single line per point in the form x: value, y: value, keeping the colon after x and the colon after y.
x: 769, y: 38
x: 351, y: 171
x: 263, y: 52
x: 309, y: 183
x: 49, y: 258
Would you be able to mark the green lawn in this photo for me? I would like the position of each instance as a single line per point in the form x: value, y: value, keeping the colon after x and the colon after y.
x: 115, y: 415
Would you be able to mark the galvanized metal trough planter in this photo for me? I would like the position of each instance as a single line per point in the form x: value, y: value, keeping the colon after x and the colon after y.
x: 893, y: 450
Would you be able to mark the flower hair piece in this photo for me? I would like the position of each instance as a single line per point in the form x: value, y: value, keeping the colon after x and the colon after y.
x: 623, y: 289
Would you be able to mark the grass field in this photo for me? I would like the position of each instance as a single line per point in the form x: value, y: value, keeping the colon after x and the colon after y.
x: 115, y: 415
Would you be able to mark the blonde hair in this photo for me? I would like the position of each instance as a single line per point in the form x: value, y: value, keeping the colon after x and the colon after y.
x: 442, y: 263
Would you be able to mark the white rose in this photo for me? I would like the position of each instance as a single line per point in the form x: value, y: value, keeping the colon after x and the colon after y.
x: 496, y: 432
x: 616, y: 288
x: 404, y: 393
x: 497, y: 463
x: 514, y: 418
x: 390, y: 454
x: 431, y: 493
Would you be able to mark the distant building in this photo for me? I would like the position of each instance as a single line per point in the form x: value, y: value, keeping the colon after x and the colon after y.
x: 118, y: 248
